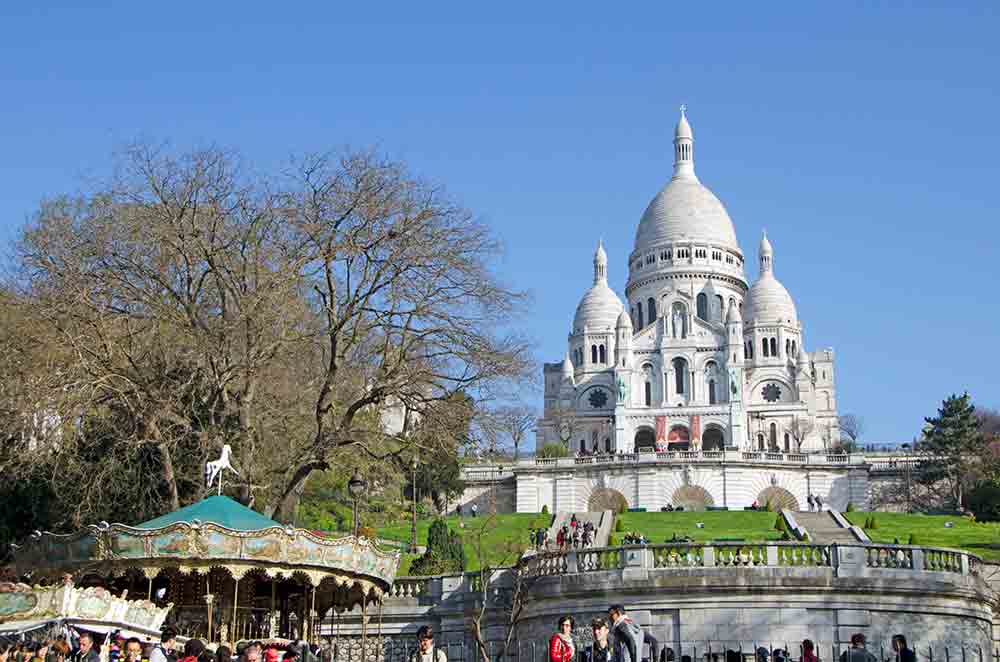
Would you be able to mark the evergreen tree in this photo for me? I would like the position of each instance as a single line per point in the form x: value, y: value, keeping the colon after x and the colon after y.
x: 445, y: 552
x: 951, y: 445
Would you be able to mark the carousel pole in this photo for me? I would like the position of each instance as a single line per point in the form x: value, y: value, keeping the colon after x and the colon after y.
x: 273, y: 616
x: 236, y: 602
x: 312, y: 618
x: 149, y: 590
x: 364, y: 628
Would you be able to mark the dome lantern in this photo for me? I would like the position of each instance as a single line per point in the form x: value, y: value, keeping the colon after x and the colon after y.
x: 683, y: 148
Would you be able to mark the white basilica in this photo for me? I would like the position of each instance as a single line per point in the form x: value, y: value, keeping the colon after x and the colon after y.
x: 697, y: 359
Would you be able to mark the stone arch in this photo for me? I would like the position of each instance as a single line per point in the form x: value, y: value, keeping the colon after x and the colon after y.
x: 606, y: 498
x: 692, y: 497
x: 713, y: 438
x: 645, y: 437
x: 779, y: 497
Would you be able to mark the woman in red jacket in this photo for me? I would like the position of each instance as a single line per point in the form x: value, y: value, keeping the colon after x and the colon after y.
x: 561, y: 646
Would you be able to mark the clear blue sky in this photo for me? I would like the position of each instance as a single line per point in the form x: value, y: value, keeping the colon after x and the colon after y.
x: 865, y: 141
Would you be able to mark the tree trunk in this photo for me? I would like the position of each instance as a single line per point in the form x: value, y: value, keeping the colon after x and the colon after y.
x: 286, y: 503
x: 168, y: 476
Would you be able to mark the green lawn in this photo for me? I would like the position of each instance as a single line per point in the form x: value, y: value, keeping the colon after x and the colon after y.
x: 658, y: 527
x: 504, y: 529
x: 982, y: 539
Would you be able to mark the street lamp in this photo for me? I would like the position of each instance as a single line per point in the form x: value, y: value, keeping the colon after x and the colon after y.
x: 413, y: 525
x: 356, y: 486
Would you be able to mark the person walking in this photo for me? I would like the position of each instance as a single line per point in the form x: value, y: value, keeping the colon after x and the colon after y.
x: 812, y: 503
x: 857, y: 652
x: 903, y: 652
x: 600, y: 650
x: 819, y: 503
x: 164, y: 651
x: 627, y: 635
x: 426, y: 651
x: 475, y: 509
x: 561, y: 645
x: 85, y: 651
x: 809, y: 651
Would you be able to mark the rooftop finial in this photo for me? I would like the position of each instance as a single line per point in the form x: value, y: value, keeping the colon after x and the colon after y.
x: 683, y: 147
x: 600, y: 263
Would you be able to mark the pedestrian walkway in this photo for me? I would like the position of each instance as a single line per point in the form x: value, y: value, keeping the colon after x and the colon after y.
x: 601, y: 521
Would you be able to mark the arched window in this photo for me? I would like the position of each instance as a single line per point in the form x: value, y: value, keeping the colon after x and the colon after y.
x: 607, y: 444
x: 711, y: 391
x: 774, y: 346
x: 583, y: 445
x: 651, y: 309
x: 678, y: 321
x: 795, y: 349
x: 760, y: 442
x: 638, y: 308
x: 788, y: 346
x: 774, y: 437
x: 680, y: 367
x: 763, y: 345
x: 602, y: 354
x: 719, y: 311
x: 788, y: 443
x: 649, y: 394
x: 702, y: 307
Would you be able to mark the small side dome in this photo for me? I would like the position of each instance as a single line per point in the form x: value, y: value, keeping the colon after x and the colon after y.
x: 567, y: 367
x: 769, y: 301
x: 598, y: 309
x: 733, y: 314
x: 624, y: 320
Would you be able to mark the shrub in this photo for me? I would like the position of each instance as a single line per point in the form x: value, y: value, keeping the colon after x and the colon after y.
x: 445, y: 552
x: 768, y: 506
x: 545, y: 509
x: 805, y: 536
x: 785, y: 535
x: 619, y: 526
x: 984, y: 502
x: 850, y: 506
x: 914, y: 539
x: 779, y: 524
x: 552, y: 449
x: 874, y: 524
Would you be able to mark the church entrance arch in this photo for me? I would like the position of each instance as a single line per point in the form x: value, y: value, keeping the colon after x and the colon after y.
x: 713, y: 439
x: 778, y: 497
x: 678, y: 439
x: 692, y: 497
x: 605, y: 498
x: 645, y: 440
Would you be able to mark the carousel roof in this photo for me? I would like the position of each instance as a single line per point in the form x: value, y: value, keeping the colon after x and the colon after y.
x: 219, y: 510
x: 215, y: 532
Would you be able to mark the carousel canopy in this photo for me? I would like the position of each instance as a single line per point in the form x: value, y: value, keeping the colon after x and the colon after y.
x: 216, y: 532
x: 219, y: 510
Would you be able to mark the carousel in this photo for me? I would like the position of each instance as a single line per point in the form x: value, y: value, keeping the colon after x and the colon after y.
x: 223, y: 571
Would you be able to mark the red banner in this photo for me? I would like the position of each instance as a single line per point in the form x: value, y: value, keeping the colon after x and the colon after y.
x: 661, y: 432
x: 696, y: 428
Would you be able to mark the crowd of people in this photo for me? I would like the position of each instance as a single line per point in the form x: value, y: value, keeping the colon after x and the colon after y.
x: 85, y: 647
x: 620, y: 639
x: 575, y: 534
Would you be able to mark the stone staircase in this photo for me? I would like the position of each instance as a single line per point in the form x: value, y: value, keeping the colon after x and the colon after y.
x: 602, y: 522
x: 825, y: 527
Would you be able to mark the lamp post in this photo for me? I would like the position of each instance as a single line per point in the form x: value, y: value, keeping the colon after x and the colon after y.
x: 413, y: 524
x: 356, y: 486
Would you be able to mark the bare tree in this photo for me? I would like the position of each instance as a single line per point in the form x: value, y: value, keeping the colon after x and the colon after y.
x: 502, y: 587
x: 516, y: 421
x: 851, y: 428
x: 201, y: 305
x: 566, y: 424
x: 799, y: 429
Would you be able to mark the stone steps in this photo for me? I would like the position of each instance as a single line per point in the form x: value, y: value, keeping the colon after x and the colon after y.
x: 824, y: 528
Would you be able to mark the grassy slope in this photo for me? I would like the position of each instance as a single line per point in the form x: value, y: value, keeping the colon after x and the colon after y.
x: 507, y: 528
x: 982, y: 539
x: 658, y: 527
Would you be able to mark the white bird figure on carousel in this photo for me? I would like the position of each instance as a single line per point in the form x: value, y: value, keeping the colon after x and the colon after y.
x: 214, y: 469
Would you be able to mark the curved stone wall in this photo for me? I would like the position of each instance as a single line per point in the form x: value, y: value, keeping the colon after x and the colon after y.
x: 698, y: 597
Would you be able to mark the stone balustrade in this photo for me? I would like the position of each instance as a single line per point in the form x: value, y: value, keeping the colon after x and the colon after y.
x: 686, y: 457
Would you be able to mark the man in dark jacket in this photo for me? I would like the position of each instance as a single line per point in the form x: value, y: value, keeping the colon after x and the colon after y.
x: 86, y: 652
x: 626, y: 633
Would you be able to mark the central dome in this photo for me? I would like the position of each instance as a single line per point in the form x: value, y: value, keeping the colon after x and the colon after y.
x: 685, y: 210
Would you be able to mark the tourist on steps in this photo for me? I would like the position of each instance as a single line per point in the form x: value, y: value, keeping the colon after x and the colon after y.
x: 600, y: 650
x: 627, y: 635
x: 561, y: 646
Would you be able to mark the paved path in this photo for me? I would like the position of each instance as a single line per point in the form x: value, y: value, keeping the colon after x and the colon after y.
x: 602, y: 534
